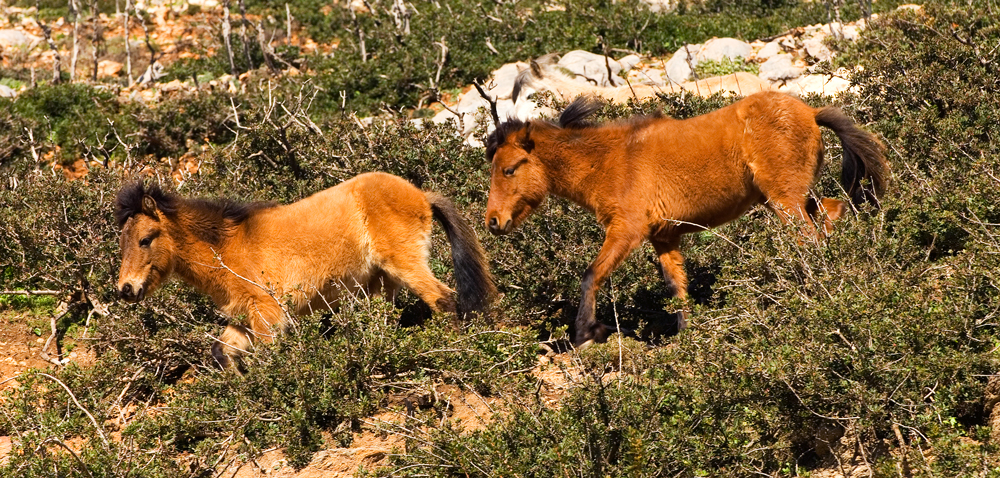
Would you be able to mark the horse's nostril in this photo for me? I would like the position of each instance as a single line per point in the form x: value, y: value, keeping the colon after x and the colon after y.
x: 126, y: 291
x: 506, y: 226
x: 493, y: 222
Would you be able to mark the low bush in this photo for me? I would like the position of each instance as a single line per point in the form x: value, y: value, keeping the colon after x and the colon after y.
x: 876, y: 343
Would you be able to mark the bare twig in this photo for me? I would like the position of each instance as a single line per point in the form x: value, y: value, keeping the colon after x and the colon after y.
x: 67, y: 448
x: 360, y: 33
x: 491, y: 101
x: 440, y: 64
x: 243, y: 34
x: 77, y: 402
x: 266, y: 49
x: 288, y: 23
x: 30, y: 292
x: 128, y: 44
x: 98, y: 35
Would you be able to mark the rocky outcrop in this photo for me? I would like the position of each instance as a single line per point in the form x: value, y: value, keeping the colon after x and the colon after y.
x: 796, y: 62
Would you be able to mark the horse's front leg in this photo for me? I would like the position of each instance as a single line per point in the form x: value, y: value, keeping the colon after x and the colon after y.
x: 267, y: 318
x: 618, y: 243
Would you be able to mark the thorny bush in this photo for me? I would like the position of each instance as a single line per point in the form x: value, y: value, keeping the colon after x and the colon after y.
x: 872, y: 348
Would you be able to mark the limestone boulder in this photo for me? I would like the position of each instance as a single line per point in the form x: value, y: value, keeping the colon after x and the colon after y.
x: 597, y: 69
x: 719, y: 49
x: 109, y: 69
x: 780, y: 67
x: 10, y: 38
x: 816, y: 84
x: 679, y: 67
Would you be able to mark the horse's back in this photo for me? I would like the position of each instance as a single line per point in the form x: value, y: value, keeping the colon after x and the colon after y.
x: 711, y: 166
x: 337, y: 235
x: 694, y: 170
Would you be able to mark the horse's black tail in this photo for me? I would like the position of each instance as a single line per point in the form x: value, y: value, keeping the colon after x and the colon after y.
x: 472, y: 275
x: 864, y: 157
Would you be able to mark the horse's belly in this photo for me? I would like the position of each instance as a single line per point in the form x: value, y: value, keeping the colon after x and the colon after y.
x: 692, y: 209
x: 328, y: 295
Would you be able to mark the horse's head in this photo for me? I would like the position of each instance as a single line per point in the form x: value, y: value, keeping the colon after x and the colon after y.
x: 518, y: 180
x: 147, y: 249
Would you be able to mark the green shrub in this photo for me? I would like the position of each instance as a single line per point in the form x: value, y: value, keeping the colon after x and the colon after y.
x: 888, y: 325
x: 708, y: 69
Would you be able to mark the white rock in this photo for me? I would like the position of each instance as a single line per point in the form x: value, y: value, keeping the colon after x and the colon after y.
x: 594, y: 68
x: 772, y: 48
x: 661, y: 6
x: 718, y: 49
x: 629, y: 62
x: 501, y: 81
x: 851, y: 32
x: 818, y: 84
x: 841, y: 31
x: 153, y: 72
x: 108, y: 68
x: 780, y: 67
x: 815, y: 48
x: 7, y: 92
x: 788, y: 43
x: 678, y: 67
x: 17, y: 38
x: 647, y: 76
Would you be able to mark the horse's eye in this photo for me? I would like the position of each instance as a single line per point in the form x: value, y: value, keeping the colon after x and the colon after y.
x: 509, y: 171
x: 145, y: 242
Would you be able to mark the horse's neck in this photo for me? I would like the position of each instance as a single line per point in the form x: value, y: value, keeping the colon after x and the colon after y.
x: 202, y: 265
x: 574, y: 167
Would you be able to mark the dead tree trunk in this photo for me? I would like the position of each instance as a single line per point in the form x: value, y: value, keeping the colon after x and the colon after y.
x: 226, y: 34
x: 74, y: 10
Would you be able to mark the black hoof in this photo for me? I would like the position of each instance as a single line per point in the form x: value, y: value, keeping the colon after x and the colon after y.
x: 598, y: 333
x: 220, y: 356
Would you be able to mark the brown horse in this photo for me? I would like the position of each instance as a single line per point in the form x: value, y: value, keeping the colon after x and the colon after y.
x: 657, y: 178
x: 371, y: 233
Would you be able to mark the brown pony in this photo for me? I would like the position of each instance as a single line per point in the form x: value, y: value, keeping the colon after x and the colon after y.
x: 370, y: 233
x: 658, y: 178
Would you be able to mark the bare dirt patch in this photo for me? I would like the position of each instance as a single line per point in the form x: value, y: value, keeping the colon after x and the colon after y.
x: 382, y: 434
x: 20, y: 345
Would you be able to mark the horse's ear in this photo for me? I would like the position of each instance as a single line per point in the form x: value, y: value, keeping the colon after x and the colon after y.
x: 149, y: 206
x: 527, y: 144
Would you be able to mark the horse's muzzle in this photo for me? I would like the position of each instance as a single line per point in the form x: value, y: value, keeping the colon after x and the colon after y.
x: 495, y: 228
x: 130, y: 294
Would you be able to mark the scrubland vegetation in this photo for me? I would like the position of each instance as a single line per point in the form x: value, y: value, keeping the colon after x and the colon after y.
x: 874, y: 348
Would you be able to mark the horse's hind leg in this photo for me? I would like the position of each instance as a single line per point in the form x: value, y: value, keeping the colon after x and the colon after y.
x: 825, y: 212
x: 787, y: 198
x: 409, y: 267
x: 785, y: 174
x: 672, y: 263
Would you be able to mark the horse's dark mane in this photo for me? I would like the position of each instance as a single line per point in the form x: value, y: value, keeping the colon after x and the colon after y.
x: 578, y: 111
x: 499, y: 136
x: 129, y: 201
x: 208, y: 217
x: 572, y: 117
